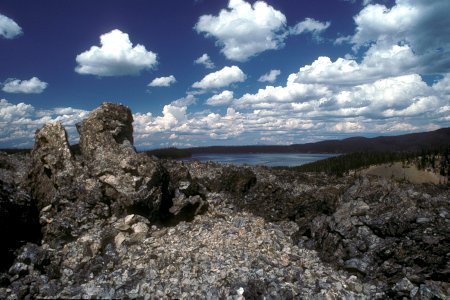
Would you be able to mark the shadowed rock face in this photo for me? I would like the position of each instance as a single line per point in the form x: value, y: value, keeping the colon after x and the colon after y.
x: 53, y: 168
x: 19, y: 221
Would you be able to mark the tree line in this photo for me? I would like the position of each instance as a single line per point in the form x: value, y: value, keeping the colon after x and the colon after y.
x: 436, y: 159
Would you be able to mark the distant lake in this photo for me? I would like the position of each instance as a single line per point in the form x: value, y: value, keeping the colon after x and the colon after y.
x: 264, y: 159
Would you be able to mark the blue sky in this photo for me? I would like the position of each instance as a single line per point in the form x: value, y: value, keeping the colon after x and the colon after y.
x: 213, y: 72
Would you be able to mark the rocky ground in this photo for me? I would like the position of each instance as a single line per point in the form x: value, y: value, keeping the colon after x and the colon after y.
x: 107, y: 222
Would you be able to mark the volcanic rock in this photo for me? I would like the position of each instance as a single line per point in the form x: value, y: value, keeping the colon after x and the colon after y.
x: 107, y: 178
x: 119, y: 224
x: 107, y: 129
x: 375, y: 233
x: 53, y: 170
x: 19, y: 217
x: 136, y: 181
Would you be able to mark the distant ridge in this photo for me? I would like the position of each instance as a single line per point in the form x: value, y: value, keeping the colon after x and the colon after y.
x: 407, y: 142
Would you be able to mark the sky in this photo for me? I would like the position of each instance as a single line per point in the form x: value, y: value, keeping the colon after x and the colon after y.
x: 219, y: 72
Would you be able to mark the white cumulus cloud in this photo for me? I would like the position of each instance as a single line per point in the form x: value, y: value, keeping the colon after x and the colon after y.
x: 395, y: 104
x: 348, y: 126
x: 184, y: 101
x: 223, y: 98
x: 292, y: 92
x: 420, y: 24
x: 9, y: 29
x: 244, y: 30
x: 205, y: 60
x: 270, y: 77
x: 221, y: 78
x: 12, y: 112
x: 310, y: 25
x: 116, y: 56
x: 443, y: 85
x: 378, y: 62
x: 163, y: 81
x: 378, y: 22
x: 31, y: 86
x: 387, y: 97
x: 172, y: 116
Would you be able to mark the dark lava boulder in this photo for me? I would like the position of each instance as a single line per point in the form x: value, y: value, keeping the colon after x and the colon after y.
x: 230, y: 179
x: 138, y: 183
x: 238, y: 181
x: 186, y: 193
x: 388, y: 232
x: 53, y: 170
x: 107, y: 129
x: 65, y: 196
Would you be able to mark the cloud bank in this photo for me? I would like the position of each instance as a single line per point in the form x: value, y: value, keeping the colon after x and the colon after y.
x: 295, y: 113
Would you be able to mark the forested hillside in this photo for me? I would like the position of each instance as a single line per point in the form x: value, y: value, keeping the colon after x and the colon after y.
x: 437, y: 160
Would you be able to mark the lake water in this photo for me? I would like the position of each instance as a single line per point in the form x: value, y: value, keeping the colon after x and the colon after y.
x: 265, y: 159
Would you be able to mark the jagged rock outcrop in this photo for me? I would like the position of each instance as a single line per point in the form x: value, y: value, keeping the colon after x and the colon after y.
x: 107, y: 130
x: 137, y: 182
x: 108, y: 178
x: 53, y: 170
